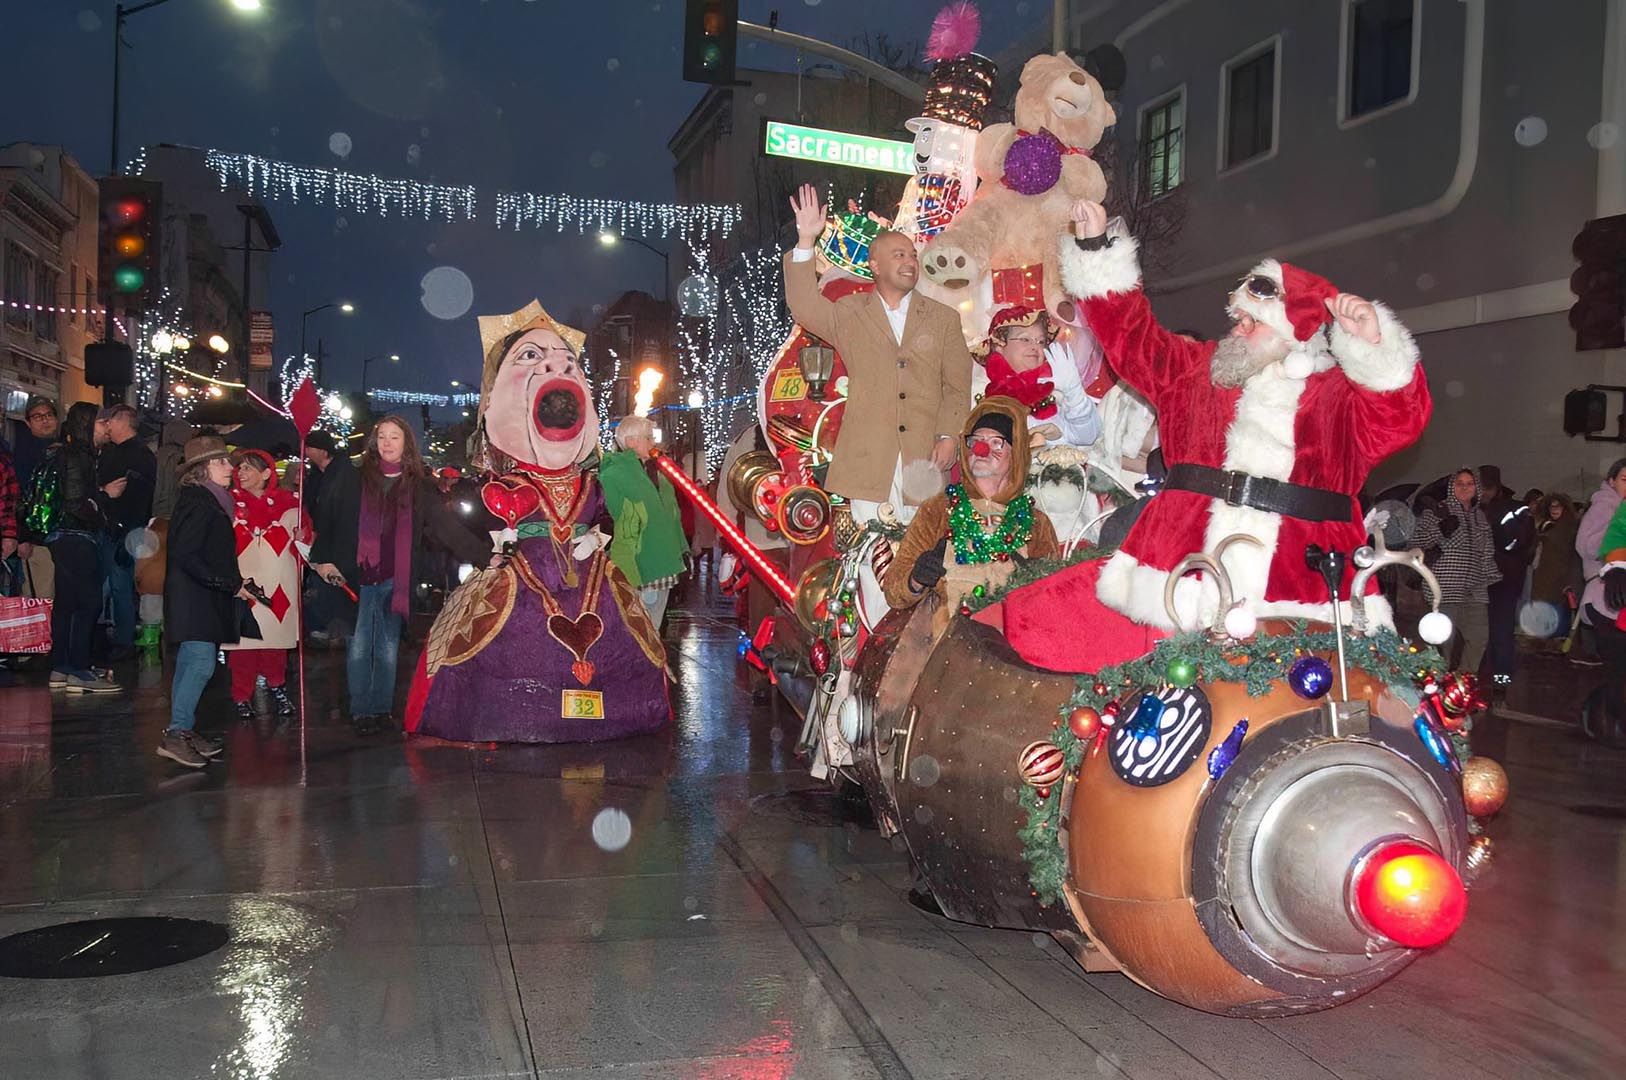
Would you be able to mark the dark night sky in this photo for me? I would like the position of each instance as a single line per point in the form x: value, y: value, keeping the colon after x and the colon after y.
x: 538, y: 95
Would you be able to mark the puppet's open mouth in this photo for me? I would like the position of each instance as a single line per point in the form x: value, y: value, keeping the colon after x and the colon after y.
x: 559, y: 409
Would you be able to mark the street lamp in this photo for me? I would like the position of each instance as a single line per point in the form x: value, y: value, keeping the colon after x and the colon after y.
x: 219, y: 344
x: 394, y: 358
x: 455, y: 384
x: 609, y: 238
x: 121, y: 14
x: 344, y: 306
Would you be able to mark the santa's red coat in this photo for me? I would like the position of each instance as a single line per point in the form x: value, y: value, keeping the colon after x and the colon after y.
x: 1326, y: 431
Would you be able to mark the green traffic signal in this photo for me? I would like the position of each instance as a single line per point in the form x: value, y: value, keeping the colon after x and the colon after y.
x: 129, y: 279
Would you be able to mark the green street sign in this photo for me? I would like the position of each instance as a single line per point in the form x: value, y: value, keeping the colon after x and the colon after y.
x: 838, y: 148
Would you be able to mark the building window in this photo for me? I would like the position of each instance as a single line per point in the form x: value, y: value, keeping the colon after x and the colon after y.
x: 1162, y: 133
x: 19, y: 272
x: 45, y: 297
x: 1381, y: 42
x: 1248, y: 101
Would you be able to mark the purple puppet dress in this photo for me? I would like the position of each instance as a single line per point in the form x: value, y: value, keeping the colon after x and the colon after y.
x: 548, y: 647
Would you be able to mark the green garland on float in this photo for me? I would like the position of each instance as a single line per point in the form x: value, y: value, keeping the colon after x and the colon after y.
x: 1256, y: 663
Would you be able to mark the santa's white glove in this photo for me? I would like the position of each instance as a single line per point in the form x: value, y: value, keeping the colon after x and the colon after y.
x: 725, y: 566
x: 588, y: 544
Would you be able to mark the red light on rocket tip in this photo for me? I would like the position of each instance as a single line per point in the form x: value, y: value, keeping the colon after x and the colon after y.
x: 1409, y: 894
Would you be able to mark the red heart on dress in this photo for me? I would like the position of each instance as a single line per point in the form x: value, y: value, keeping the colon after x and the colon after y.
x: 511, y: 502
x: 578, y: 635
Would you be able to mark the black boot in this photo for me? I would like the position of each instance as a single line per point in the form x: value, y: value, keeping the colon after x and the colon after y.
x: 284, y: 703
x: 245, y: 709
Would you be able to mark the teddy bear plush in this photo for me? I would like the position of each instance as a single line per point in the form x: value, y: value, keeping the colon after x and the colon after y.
x: 1031, y: 173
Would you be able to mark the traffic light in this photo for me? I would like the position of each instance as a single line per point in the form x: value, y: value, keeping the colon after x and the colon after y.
x: 710, y: 29
x: 130, y: 234
x: 1598, y: 315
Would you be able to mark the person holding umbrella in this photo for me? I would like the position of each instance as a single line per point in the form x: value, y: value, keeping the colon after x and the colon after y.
x: 267, y: 522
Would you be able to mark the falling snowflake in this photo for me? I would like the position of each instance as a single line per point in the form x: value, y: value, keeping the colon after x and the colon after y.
x: 447, y: 292
x: 612, y: 64
x: 1531, y: 131
x: 1602, y: 136
x: 340, y: 144
x: 89, y: 21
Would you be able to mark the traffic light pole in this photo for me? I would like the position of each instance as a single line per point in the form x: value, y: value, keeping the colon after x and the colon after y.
x: 903, y: 87
x: 120, y: 15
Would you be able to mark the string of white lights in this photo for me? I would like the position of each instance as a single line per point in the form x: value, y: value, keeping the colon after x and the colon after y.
x: 389, y: 196
x: 417, y: 397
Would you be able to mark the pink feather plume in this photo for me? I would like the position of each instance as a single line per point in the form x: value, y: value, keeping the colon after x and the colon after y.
x: 954, y: 31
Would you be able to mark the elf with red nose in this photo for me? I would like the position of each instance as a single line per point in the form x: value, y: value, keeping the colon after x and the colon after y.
x: 1269, y: 432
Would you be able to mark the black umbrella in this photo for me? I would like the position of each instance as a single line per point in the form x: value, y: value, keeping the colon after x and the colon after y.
x: 275, y: 435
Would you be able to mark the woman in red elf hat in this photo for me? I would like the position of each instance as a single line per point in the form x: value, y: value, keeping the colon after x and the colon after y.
x: 267, y: 522
x: 1015, y: 359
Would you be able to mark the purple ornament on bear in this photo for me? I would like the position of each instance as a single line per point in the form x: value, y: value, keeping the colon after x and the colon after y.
x: 1033, y: 163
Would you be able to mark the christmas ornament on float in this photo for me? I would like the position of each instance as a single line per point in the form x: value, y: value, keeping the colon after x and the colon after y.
x: 1484, y: 786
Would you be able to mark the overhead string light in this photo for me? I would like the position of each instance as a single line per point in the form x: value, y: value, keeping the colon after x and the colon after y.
x: 369, y: 193
x: 416, y: 397
x: 516, y: 209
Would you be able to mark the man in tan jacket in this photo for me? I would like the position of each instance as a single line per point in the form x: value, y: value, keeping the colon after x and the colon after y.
x: 908, y: 368
x: 972, y: 533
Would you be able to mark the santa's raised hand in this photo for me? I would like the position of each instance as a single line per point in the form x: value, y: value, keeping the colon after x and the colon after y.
x: 1089, y: 219
x: 1356, y: 316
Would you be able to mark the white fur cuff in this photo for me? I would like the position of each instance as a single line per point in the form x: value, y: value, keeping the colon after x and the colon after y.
x: 1388, y: 365
x: 1086, y: 275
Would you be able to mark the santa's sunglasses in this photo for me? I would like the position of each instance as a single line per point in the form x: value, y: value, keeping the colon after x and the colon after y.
x: 1261, y: 287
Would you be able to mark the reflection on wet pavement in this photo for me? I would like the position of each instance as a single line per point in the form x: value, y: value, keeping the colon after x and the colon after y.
x: 685, y: 905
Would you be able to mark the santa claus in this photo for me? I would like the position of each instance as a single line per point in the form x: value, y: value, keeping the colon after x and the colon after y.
x: 1269, y: 432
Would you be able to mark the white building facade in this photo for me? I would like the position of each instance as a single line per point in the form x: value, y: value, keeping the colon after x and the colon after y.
x: 1440, y: 155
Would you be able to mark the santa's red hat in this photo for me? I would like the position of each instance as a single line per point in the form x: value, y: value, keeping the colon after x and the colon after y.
x: 1290, y: 300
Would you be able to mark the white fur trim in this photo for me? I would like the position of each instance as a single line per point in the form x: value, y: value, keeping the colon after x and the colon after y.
x: 1086, y: 275
x: 1136, y: 590
x: 1128, y: 586
x: 1388, y: 365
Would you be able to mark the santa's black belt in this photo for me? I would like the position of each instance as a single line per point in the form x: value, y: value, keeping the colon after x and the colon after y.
x: 1260, y: 492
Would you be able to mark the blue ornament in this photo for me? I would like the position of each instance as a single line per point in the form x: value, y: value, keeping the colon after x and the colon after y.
x: 1310, y: 677
x: 1437, y: 744
x: 1148, y: 712
x: 1220, y: 758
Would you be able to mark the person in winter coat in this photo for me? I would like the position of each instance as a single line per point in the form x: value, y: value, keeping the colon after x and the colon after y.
x: 202, y: 592
x: 371, y: 536
x: 331, y: 490
x: 1558, y: 567
x: 1513, y: 537
x: 648, y: 544
x: 1465, y: 564
x: 266, y: 521
x: 68, y: 517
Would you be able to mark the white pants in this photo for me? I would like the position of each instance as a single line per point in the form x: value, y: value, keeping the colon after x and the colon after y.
x: 864, y: 511
x: 655, y: 603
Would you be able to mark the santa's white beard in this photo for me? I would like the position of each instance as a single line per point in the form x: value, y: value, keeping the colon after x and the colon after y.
x: 1238, y: 359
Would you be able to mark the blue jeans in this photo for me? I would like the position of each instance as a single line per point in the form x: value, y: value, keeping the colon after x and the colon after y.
x: 194, y: 665
x: 119, y: 569
x: 374, y: 647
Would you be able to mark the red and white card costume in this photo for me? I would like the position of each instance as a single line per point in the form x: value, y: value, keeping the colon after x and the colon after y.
x: 1323, y: 417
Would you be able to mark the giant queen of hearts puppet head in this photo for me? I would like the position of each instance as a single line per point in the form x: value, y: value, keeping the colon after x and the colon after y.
x: 536, y: 409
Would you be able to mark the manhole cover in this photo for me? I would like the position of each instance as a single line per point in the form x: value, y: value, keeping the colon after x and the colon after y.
x: 93, y: 947
x: 1595, y: 810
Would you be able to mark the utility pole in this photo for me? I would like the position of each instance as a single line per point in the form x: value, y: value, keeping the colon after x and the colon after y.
x: 1058, y: 26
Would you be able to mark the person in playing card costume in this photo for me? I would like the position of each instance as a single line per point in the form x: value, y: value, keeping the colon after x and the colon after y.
x: 555, y: 645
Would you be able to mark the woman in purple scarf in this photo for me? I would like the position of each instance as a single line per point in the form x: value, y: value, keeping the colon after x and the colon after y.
x: 377, y: 549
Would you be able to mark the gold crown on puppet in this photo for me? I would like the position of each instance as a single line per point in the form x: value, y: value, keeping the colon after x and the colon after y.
x: 1009, y: 318
x: 495, y: 329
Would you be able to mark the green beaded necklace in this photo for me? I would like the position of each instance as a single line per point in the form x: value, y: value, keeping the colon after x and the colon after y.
x: 971, y: 544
